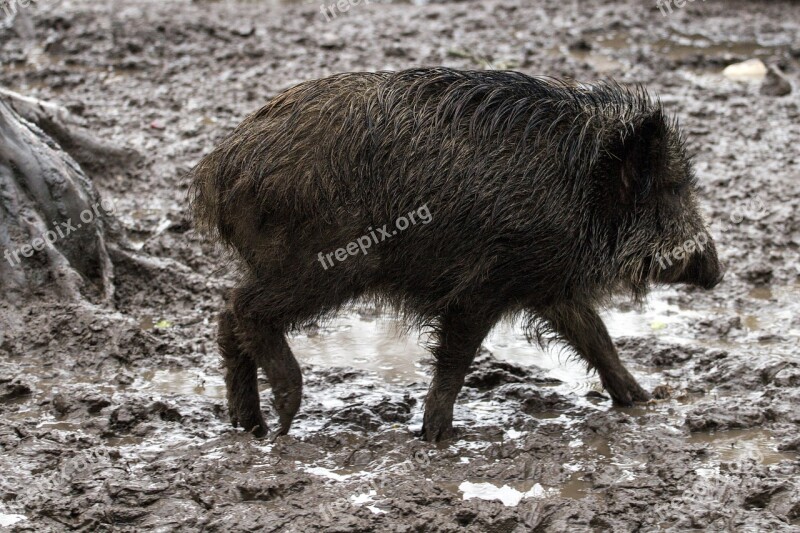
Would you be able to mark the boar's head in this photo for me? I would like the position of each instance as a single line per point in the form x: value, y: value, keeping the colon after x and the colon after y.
x: 652, y: 197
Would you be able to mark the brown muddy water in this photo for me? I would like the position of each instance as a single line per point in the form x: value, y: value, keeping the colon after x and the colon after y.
x: 113, y: 418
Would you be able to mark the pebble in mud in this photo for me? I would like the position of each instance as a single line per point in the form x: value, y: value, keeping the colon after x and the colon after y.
x: 13, y: 388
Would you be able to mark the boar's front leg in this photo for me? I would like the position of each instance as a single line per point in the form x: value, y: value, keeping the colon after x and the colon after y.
x: 458, y: 337
x: 581, y: 327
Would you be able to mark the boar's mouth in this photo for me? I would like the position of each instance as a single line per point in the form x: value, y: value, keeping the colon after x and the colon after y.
x: 699, y: 269
x: 703, y: 271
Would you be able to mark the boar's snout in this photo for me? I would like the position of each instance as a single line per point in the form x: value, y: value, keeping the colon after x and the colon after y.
x: 694, y: 263
x: 702, y: 269
x: 704, y: 272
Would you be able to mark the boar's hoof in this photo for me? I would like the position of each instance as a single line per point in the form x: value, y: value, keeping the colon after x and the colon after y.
x: 259, y: 431
x: 628, y: 393
x: 283, y: 429
x: 438, y: 432
x: 252, y: 422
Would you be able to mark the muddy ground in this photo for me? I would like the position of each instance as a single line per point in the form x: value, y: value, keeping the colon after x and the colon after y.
x: 112, y: 418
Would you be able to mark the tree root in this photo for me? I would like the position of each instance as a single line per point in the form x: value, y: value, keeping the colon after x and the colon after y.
x: 52, y: 221
x: 99, y: 159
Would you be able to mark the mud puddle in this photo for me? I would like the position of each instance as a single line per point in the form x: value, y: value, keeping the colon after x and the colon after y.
x: 182, y: 382
x: 380, y: 346
x: 756, y: 446
x: 605, y: 52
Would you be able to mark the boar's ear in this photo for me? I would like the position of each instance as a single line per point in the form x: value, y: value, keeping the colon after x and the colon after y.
x: 641, y: 152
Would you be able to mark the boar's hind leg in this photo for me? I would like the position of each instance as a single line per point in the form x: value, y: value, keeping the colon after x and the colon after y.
x: 459, y: 337
x: 240, y: 379
x: 263, y: 338
x: 581, y: 327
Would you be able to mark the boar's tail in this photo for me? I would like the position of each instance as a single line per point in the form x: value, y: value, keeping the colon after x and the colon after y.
x: 204, y: 203
x: 205, y: 194
x: 262, y: 170
x: 216, y: 182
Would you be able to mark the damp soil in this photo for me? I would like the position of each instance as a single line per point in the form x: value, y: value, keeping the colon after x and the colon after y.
x: 113, y: 418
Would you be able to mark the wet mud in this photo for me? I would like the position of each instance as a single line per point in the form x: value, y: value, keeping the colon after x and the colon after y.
x: 113, y: 417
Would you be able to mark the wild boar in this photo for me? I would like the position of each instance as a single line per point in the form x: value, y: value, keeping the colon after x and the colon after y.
x: 545, y: 199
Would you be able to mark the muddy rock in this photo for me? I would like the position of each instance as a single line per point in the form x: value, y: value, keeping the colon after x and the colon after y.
x: 487, y: 372
x: 13, y: 388
x: 128, y: 416
x: 758, y: 273
x: 775, y: 83
x: 93, y: 402
x: 649, y: 351
x: 721, y: 417
x: 252, y: 489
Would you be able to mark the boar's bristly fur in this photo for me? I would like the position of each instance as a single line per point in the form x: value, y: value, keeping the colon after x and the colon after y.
x: 546, y: 199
